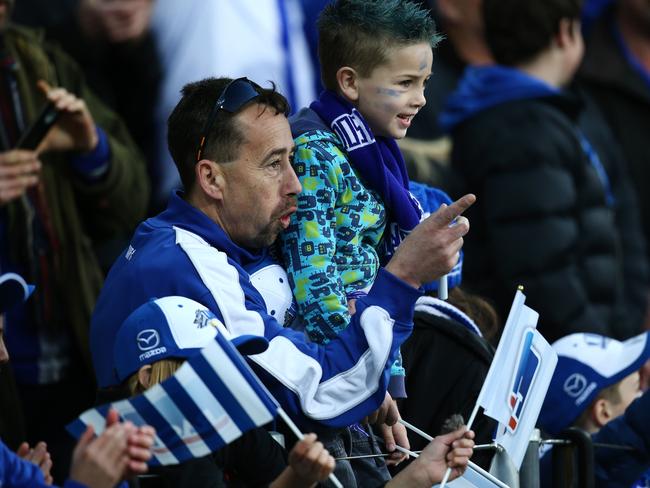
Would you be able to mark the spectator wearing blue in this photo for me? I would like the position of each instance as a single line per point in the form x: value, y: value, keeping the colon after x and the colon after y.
x: 96, y: 463
x: 232, y: 145
x: 556, y: 212
x: 152, y: 343
x: 595, y: 381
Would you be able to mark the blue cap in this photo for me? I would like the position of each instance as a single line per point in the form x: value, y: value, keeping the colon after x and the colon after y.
x: 587, y: 363
x: 171, y: 327
x: 13, y: 290
x: 430, y: 200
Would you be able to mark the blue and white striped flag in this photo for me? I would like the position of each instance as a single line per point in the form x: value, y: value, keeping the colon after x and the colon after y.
x: 211, y: 400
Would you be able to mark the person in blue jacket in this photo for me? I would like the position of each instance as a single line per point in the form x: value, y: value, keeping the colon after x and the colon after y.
x: 594, y: 387
x: 121, y: 450
x: 231, y: 142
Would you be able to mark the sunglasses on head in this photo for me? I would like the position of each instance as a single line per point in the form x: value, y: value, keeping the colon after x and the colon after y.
x: 236, y: 94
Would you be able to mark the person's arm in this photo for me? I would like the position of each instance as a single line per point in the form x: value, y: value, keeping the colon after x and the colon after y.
x: 309, y: 244
x: 343, y: 381
x: 115, y: 200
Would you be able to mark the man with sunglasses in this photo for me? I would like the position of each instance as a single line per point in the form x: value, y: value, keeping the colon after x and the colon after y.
x: 234, y: 157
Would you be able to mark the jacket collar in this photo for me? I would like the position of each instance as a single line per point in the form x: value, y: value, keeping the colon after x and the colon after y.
x: 180, y: 213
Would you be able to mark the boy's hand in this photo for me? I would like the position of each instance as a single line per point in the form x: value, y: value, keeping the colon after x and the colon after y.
x: 431, y: 250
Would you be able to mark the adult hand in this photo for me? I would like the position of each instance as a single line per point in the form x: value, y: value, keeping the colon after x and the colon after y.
x: 387, y: 413
x: 431, y: 250
x: 309, y: 463
x: 19, y: 170
x: 100, y: 462
x: 75, y: 130
x: 395, y: 435
x: 39, y: 456
x: 451, y: 450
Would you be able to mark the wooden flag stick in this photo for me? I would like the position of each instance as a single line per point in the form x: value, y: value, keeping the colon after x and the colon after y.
x: 294, y: 428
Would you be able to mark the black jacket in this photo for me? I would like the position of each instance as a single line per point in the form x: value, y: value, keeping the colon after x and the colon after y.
x: 446, y: 365
x: 542, y: 220
x: 624, y: 98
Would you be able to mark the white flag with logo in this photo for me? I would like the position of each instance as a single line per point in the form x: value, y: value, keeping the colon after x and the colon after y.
x: 496, y: 388
x: 528, y: 387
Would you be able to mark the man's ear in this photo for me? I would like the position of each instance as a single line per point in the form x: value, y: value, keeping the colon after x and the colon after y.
x: 347, y: 79
x: 144, y: 376
x: 210, y: 178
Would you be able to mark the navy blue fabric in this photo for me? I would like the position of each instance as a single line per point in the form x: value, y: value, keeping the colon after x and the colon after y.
x: 379, y: 163
x: 483, y: 87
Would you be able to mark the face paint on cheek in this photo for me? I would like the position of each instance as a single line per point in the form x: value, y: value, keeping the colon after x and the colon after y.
x: 391, y: 92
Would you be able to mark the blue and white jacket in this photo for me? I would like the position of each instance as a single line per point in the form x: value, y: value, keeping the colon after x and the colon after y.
x: 183, y: 252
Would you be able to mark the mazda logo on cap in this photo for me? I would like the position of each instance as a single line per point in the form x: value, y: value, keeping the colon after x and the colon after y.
x: 147, y: 339
x: 575, y: 385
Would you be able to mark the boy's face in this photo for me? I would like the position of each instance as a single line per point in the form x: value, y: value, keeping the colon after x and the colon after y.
x: 394, y: 92
x: 629, y: 389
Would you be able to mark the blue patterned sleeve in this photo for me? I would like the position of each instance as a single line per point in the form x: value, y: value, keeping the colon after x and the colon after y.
x: 309, y: 244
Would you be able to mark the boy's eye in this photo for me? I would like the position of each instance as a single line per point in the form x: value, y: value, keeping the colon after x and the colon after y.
x: 405, y: 83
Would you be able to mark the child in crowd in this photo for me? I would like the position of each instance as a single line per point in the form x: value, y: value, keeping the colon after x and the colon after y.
x: 181, y: 327
x: 355, y: 206
x: 595, y: 381
x: 121, y: 450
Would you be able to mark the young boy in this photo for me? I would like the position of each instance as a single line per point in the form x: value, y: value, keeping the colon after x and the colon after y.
x: 355, y: 207
x: 595, y: 381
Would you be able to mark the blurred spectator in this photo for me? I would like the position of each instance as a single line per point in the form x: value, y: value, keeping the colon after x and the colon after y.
x: 616, y: 72
x: 261, y: 39
x: 112, y: 42
x: 595, y: 381
x: 554, y: 211
x: 85, y: 184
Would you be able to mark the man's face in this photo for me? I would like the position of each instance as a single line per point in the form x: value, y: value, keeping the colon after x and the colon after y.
x: 394, y: 92
x: 260, y: 188
x: 6, y: 6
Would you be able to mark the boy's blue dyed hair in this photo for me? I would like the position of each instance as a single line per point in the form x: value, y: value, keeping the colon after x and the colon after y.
x: 360, y: 34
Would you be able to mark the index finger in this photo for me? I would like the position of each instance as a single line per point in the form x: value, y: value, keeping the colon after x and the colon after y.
x: 446, y: 215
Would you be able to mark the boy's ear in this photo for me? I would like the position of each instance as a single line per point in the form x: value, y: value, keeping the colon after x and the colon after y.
x: 601, y: 412
x: 347, y: 80
x: 210, y: 178
x: 144, y: 376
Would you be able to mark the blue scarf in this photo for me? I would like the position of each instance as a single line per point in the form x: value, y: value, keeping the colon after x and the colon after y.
x: 379, y: 163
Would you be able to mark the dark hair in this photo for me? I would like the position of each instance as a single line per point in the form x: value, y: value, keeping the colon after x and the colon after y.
x: 518, y: 30
x: 478, y: 309
x: 360, y: 33
x: 187, y: 120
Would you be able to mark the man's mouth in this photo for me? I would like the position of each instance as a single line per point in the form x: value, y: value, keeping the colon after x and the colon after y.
x: 285, y: 219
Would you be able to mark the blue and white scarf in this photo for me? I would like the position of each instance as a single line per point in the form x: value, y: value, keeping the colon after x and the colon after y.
x: 380, y: 164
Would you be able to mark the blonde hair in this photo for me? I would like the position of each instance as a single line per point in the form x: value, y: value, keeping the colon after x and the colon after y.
x: 160, y: 371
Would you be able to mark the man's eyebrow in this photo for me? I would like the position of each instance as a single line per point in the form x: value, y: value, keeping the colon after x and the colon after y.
x: 279, y: 152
